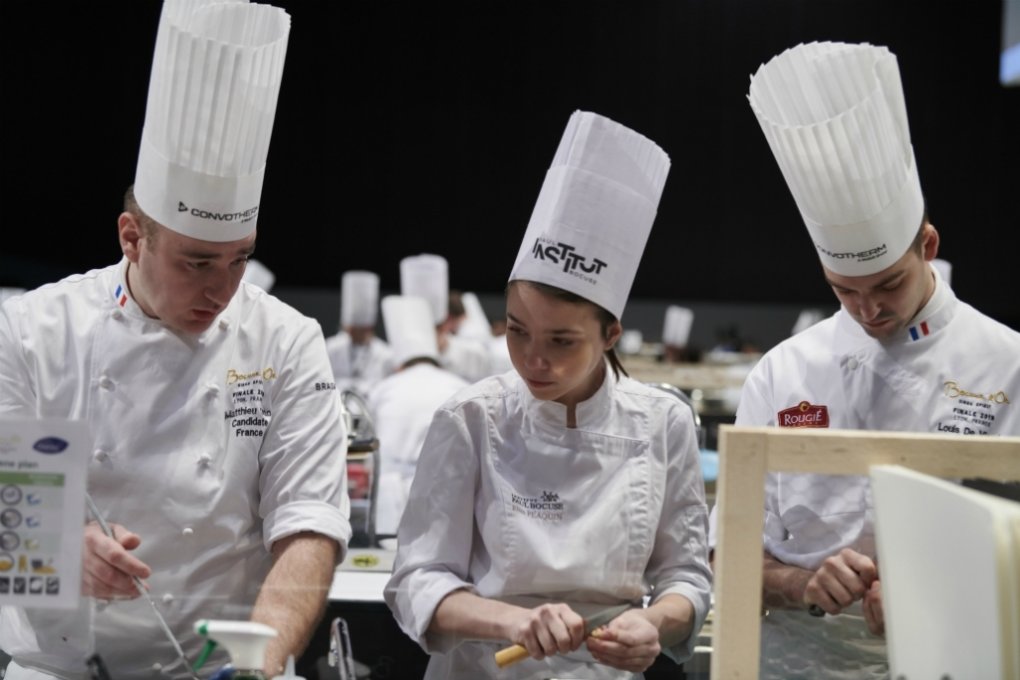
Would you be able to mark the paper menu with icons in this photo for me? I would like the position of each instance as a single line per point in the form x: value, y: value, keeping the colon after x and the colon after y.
x: 43, y: 469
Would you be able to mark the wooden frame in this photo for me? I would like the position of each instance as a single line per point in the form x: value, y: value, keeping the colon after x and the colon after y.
x: 747, y: 453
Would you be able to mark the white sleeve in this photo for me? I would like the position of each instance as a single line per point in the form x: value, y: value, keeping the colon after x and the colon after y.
x: 679, y: 560
x: 755, y: 410
x: 16, y: 393
x: 435, y: 535
x: 303, y: 471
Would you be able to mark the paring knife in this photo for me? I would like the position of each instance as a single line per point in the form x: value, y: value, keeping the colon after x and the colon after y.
x: 514, y: 653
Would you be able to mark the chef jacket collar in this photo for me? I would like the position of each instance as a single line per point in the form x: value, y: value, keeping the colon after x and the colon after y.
x: 120, y: 299
x: 591, y: 414
x: 934, y: 316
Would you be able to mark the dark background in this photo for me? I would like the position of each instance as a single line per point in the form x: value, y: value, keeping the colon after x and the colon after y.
x: 428, y: 127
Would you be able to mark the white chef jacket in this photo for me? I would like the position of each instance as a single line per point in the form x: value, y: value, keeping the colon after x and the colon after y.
x: 467, y: 358
x: 401, y: 407
x: 952, y: 370
x: 210, y: 447
x: 358, y: 367
x: 510, y: 504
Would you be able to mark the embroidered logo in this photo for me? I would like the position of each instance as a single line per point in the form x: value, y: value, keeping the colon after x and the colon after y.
x: 240, y: 216
x: 919, y: 331
x: 860, y: 256
x: 804, y: 414
x: 546, y: 507
x: 248, y: 414
x: 952, y: 390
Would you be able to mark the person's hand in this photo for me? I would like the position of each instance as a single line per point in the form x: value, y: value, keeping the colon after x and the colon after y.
x: 629, y: 642
x: 107, y: 566
x: 840, y: 581
x: 548, y: 629
x: 872, y: 606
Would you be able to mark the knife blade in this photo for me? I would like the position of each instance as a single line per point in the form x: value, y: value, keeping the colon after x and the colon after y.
x: 514, y: 653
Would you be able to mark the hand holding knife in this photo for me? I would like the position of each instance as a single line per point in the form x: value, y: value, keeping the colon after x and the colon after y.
x: 514, y: 653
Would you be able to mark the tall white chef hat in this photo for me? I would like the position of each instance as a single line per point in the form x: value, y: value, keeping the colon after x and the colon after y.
x: 676, y: 329
x: 410, y: 331
x: 476, y: 324
x: 216, y: 74
x: 806, y: 319
x: 427, y: 276
x: 594, y: 213
x: 359, y: 298
x: 835, y: 117
x: 259, y: 274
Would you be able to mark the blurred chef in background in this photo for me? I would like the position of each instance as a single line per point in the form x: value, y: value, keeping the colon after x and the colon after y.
x: 259, y: 275
x: 218, y: 434
x: 477, y: 328
x: 359, y: 358
x: 401, y: 405
x: 545, y: 494
x: 427, y: 276
x: 676, y: 334
x: 902, y: 353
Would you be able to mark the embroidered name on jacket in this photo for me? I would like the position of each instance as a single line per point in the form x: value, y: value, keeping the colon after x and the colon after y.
x: 804, y: 414
x: 248, y: 415
x: 547, y: 507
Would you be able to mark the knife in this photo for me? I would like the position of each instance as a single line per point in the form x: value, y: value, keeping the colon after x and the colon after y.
x: 514, y: 653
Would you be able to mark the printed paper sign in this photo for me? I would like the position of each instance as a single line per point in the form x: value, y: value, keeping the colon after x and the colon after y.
x: 43, y: 468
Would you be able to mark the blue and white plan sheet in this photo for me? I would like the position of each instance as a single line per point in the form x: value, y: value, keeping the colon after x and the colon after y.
x: 43, y: 471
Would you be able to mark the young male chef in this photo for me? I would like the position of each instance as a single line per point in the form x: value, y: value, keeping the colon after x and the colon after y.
x: 902, y: 353
x: 218, y: 439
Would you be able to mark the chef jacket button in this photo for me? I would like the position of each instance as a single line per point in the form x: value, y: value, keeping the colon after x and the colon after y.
x: 117, y: 314
x: 187, y: 531
x: 852, y: 363
x: 168, y: 598
x: 101, y: 455
x: 212, y: 389
x: 224, y: 324
x: 157, y: 667
x: 204, y: 460
x: 106, y: 383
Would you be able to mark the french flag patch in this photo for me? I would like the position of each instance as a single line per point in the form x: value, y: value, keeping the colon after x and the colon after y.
x: 919, y: 331
x: 120, y: 296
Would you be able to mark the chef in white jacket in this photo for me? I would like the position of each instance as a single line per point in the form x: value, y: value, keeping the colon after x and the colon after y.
x: 218, y: 438
x: 427, y: 276
x: 402, y: 404
x: 564, y: 487
x: 902, y: 353
x: 359, y: 358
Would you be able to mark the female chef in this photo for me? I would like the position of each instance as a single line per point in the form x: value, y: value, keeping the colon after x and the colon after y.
x: 561, y: 488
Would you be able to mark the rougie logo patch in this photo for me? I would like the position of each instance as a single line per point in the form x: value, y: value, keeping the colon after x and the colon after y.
x: 804, y: 414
